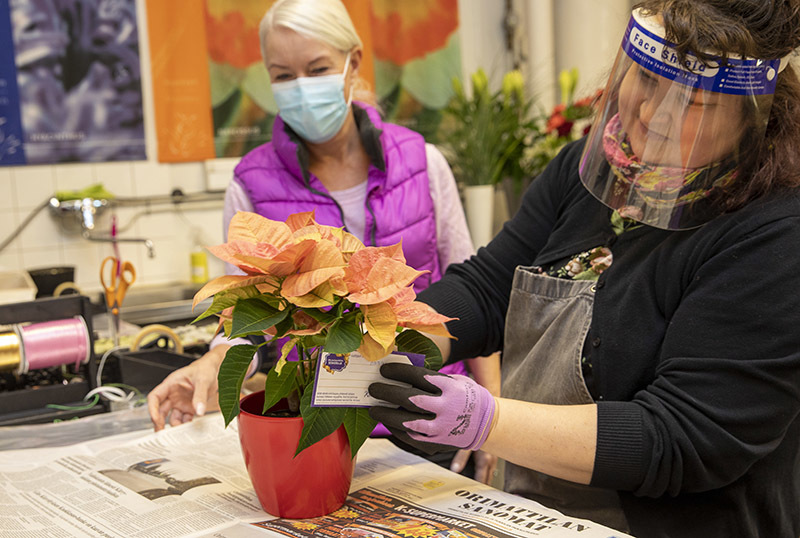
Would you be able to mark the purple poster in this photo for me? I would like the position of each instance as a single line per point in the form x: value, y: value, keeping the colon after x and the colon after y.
x: 73, y: 79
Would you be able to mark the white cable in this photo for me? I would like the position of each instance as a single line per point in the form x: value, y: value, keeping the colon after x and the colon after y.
x: 98, y: 379
x: 115, y: 394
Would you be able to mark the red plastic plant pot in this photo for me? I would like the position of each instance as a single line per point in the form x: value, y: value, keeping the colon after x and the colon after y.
x: 313, y: 483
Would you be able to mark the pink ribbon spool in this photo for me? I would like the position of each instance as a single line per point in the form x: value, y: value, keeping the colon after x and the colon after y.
x: 55, y: 343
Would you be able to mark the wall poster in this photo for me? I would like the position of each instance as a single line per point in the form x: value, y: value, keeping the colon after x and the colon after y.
x: 417, y: 56
x: 70, y: 82
x: 411, y: 54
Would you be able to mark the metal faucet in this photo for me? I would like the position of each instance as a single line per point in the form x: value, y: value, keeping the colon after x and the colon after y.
x: 78, y: 214
x: 82, y: 213
x: 151, y: 252
x: 88, y: 209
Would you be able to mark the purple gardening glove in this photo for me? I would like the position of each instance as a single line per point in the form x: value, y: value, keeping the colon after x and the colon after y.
x: 437, y: 412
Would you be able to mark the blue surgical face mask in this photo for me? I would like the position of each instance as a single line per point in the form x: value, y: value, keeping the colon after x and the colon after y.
x: 314, y: 107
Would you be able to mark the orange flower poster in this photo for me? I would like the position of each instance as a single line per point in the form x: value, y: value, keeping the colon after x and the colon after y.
x: 417, y: 55
x: 179, y: 68
x: 411, y: 54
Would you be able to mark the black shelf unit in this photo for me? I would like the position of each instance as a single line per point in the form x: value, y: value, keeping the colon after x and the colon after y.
x: 29, y: 406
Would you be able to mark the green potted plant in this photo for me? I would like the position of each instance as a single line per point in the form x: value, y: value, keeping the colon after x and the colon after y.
x: 320, y: 291
x: 484, y: 135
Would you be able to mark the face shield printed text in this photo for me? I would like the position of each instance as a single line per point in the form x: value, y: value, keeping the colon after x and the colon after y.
x: 650, y: 45
x: 735, y: 77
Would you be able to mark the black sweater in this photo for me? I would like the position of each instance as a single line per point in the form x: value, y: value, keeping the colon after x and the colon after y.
x: 695, y: 346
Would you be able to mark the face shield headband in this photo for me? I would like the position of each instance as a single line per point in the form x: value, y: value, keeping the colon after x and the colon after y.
x: 670, y: 135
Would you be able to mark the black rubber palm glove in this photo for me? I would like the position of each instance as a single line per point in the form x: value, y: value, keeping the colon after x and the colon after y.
x: 437, y: 412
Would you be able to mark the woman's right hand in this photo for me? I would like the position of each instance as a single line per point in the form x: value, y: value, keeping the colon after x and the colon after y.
x: 186, y: 392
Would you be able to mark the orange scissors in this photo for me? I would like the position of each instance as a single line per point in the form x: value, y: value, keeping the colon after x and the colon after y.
x: 120, y: 276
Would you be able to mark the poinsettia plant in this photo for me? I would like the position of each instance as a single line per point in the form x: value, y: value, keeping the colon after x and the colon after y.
x: 314, y: 289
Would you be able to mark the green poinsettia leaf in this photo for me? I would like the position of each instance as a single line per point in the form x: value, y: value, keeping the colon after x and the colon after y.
x: 283, y: 325
x: 231, y: 375
x: 344, y: 336
x: 227, y: 299
x: 411, y: 341
x: 318, y: 422
x: 323, y: 316
x: 358, y: 425
x: 254, y: 316
x: 272, y: 300
x: 279, y: 385
x: 314, y: 340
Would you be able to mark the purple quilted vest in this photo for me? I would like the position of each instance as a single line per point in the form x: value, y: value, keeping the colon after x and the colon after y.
x: 398, y: 206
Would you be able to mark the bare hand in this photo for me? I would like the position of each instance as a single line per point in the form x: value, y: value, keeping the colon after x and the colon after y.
x: 186, y: 392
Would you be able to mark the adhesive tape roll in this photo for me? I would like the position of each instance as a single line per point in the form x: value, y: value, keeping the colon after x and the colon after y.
x: 64, y: 286
x: 161, y: 330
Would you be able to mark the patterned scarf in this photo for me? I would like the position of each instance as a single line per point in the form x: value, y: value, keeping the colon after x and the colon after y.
x: 660, y: 186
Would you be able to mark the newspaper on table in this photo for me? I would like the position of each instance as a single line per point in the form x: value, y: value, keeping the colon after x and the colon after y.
x: 191, y: 481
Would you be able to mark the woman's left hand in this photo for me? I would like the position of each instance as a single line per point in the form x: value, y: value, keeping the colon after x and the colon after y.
x: 485, y: 464
x: 435, y: 411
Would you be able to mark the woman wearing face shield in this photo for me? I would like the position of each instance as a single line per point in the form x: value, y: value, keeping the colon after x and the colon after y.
x: 643, y: 297
x: 331, y: 153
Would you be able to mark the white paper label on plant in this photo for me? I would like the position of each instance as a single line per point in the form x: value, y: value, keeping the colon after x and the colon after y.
x: 343, y: 381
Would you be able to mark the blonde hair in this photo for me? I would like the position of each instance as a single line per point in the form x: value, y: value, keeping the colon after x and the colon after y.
x: 326, y: 21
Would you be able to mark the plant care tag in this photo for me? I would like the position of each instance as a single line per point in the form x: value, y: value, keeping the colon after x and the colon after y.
x: 343, y: 380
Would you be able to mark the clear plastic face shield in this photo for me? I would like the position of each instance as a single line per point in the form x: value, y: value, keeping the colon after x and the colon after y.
x: 670, y: 136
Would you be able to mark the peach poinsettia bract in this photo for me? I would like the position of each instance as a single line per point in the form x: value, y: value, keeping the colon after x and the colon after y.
x: 325, y: 277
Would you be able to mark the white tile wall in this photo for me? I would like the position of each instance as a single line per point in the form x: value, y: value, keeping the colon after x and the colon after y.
x: 45, y: 243
x: 33, y: 185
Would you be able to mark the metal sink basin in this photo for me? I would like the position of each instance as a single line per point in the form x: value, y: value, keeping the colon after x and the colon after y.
x: 162, y: 303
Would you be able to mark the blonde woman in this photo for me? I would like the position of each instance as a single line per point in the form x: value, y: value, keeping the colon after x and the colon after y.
x: 331, y: 153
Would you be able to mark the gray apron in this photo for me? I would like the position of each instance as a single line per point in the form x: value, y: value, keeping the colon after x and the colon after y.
x: 547, y: 322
